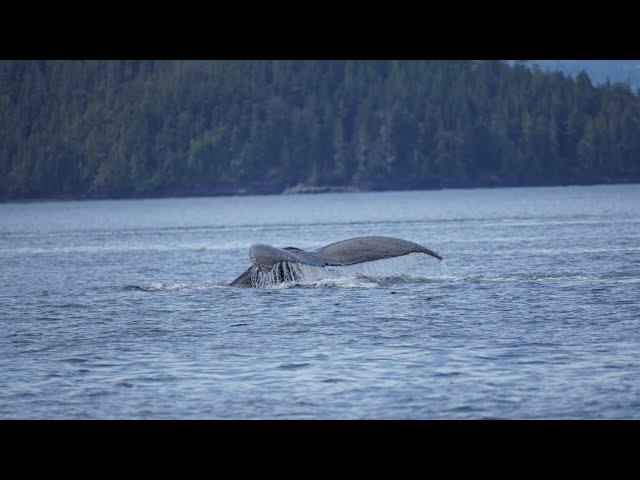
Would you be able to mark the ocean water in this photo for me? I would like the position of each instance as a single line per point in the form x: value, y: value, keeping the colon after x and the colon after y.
x: 122, y: 309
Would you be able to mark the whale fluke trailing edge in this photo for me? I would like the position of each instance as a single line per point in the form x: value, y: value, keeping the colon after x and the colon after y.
x: 346, y: 252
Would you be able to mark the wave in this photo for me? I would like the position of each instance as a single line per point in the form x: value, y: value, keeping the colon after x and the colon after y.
x: 175, y: 287
x: 409, y: 269
x: 384, y: 273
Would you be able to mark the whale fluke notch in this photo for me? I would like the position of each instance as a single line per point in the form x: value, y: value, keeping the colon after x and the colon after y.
x: 346, y: 252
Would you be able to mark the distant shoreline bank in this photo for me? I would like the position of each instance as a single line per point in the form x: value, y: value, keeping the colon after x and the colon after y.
x: 300, y: 189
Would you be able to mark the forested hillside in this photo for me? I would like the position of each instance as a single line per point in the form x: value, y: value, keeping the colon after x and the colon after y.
x: 600, y: 71
x: 132, y: 128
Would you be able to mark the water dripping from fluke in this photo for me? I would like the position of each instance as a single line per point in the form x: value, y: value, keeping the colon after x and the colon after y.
x: 413, y: 268
x: 287, y: 274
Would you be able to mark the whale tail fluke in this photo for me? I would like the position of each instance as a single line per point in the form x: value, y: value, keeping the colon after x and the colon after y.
x: 347, y: 252
x: 367, y: 249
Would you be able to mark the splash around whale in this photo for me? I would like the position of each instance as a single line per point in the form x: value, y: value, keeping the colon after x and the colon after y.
x: 276, y: 265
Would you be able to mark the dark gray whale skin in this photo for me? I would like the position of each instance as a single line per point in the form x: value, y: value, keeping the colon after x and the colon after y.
x: 345, y: 252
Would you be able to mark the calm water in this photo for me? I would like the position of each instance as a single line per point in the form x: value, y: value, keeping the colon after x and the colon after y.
x: 121, y: 309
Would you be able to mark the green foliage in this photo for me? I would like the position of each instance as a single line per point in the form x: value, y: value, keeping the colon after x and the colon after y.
x: 123, y: 128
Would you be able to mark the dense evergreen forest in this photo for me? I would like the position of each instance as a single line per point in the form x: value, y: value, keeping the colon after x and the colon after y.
x: 599, y: 71
x: 137, y: 128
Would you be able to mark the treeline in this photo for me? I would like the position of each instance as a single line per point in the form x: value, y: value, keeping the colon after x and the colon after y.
x: 599, y: 71
x: 130, y: 128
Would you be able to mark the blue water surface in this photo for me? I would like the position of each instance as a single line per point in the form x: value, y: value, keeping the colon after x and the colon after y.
x: 122, y: 309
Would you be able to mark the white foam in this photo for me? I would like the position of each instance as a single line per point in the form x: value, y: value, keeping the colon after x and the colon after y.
x: 176, y: 287
x: 408, y: 268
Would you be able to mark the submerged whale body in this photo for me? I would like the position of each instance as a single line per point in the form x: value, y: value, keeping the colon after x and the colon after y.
x: 279, y: 261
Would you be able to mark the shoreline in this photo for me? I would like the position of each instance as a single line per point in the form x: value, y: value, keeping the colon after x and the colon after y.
x: 300, y: 189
